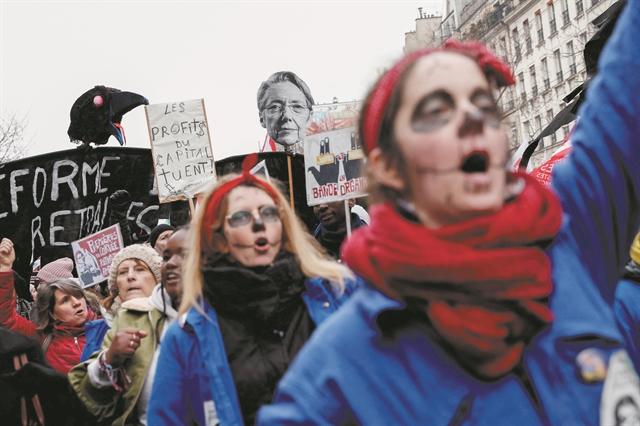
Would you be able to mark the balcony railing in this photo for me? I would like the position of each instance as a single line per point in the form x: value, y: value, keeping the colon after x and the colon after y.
x: 547, y: 84
x: 579, y: 7
x: 534, y: 91
x: 552, y: 25
x: 572, y: 69
x: 565, y: 17
x: 560, y: 77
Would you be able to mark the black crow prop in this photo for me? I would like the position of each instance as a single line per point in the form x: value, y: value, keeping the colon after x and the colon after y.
x: 96, y: 115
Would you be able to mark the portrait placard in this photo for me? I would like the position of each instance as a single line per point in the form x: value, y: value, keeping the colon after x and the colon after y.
x: 182, y: 154
x: 93, y: 254
x: 333, y: 161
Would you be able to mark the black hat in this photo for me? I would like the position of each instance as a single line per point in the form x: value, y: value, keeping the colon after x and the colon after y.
x: 155, y: 233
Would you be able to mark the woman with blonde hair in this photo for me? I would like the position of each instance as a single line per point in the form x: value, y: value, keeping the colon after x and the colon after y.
x: 489, y: 296
x: 255, y: 287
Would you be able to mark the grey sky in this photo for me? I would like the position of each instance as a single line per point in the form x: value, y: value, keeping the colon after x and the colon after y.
x: 52, y: 52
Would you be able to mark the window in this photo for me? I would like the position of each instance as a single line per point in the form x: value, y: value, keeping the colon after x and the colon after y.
x: 579, y: 7
x: 565, y: 12
x: 565, y: 131
x: 540, y: 30
x: 558, y: 59
x: 594, y: 2
x: 534, y: 83
x: 545, y: 74
x: 510, y: 103
x: 527, y: 35
x: 538, y: 122
x: 527, y: 129
x: 516, y: 42
x: 503, y: 49
x: 523, y: 91
x: 552, y: 19
x: 549, y: 118
x: 583, y: 38
x: 572, y: 58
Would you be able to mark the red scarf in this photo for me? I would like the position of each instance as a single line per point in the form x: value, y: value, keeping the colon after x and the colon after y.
x: 68, y: 329
x: 484, y: 283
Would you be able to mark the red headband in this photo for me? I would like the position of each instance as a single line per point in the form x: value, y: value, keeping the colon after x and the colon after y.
x: 213, y: 206
x: 490, y: 64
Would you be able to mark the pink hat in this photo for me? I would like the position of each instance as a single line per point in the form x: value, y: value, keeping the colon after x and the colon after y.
x: 61, y: 268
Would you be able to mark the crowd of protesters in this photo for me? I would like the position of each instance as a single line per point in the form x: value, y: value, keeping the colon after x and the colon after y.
x: 470, y: 294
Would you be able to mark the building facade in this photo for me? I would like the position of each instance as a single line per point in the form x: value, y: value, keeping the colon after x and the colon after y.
x: 543, y: 41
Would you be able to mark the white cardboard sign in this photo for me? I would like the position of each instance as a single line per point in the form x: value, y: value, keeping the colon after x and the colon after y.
x: 181, y: 146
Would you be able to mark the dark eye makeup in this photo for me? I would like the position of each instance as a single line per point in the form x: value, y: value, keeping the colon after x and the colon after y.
x: 432, y: 112
x: 436, y: 109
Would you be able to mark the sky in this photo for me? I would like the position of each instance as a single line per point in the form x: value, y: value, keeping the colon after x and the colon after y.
x: 51, y: 52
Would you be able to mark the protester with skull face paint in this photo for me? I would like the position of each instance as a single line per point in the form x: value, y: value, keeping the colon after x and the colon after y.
x: 256, y: 286
x: 489, y: 298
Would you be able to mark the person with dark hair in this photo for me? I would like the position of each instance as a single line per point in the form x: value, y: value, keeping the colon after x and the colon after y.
x: 159, y: 236
x: 285, y: 105
x: 63, y: 309
x: 490, y: 295
x: 332, y: 229
x: 114, y: 383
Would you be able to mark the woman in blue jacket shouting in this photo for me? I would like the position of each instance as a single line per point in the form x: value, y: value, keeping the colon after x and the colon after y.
x: 255, y: 287
x: 489, y: 297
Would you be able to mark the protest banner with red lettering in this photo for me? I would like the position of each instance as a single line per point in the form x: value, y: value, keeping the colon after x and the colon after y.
x: 333, y: 161
x: 93, y: 254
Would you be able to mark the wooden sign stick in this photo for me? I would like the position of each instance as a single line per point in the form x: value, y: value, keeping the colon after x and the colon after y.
x: 290, y: 182
x: 347, y: 214
x: 192, y: 208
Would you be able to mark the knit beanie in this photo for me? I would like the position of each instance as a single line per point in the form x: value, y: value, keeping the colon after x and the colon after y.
x: 635, y: 250
x: 136, y: 251
x: 155, y: 233
x: 61, y: 268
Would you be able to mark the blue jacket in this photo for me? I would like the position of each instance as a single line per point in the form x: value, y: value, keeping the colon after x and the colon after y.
x: 193, y: 372
x: 627, y: 311
x: 348, y: 373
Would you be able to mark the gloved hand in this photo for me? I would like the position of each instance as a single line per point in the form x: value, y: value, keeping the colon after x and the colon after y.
x: 120, y: 198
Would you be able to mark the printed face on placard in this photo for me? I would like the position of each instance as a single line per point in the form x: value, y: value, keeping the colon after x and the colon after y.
x: 286, y: 113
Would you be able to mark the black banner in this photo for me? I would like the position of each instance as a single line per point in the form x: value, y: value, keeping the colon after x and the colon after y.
x: 50, y: 200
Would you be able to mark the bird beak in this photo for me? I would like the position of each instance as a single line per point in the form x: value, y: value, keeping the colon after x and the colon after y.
x: 122, y: 103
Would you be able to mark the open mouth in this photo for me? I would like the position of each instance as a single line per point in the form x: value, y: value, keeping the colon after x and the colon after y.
x: 475, y: 162
x: 79, y: 311
x: 262, y: 242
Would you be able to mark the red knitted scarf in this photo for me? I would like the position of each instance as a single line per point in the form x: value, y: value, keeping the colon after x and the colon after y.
x: 484, y: 283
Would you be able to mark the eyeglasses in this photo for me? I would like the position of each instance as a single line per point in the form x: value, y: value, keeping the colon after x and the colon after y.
x: 277, y: 109
x: 240, y: 218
